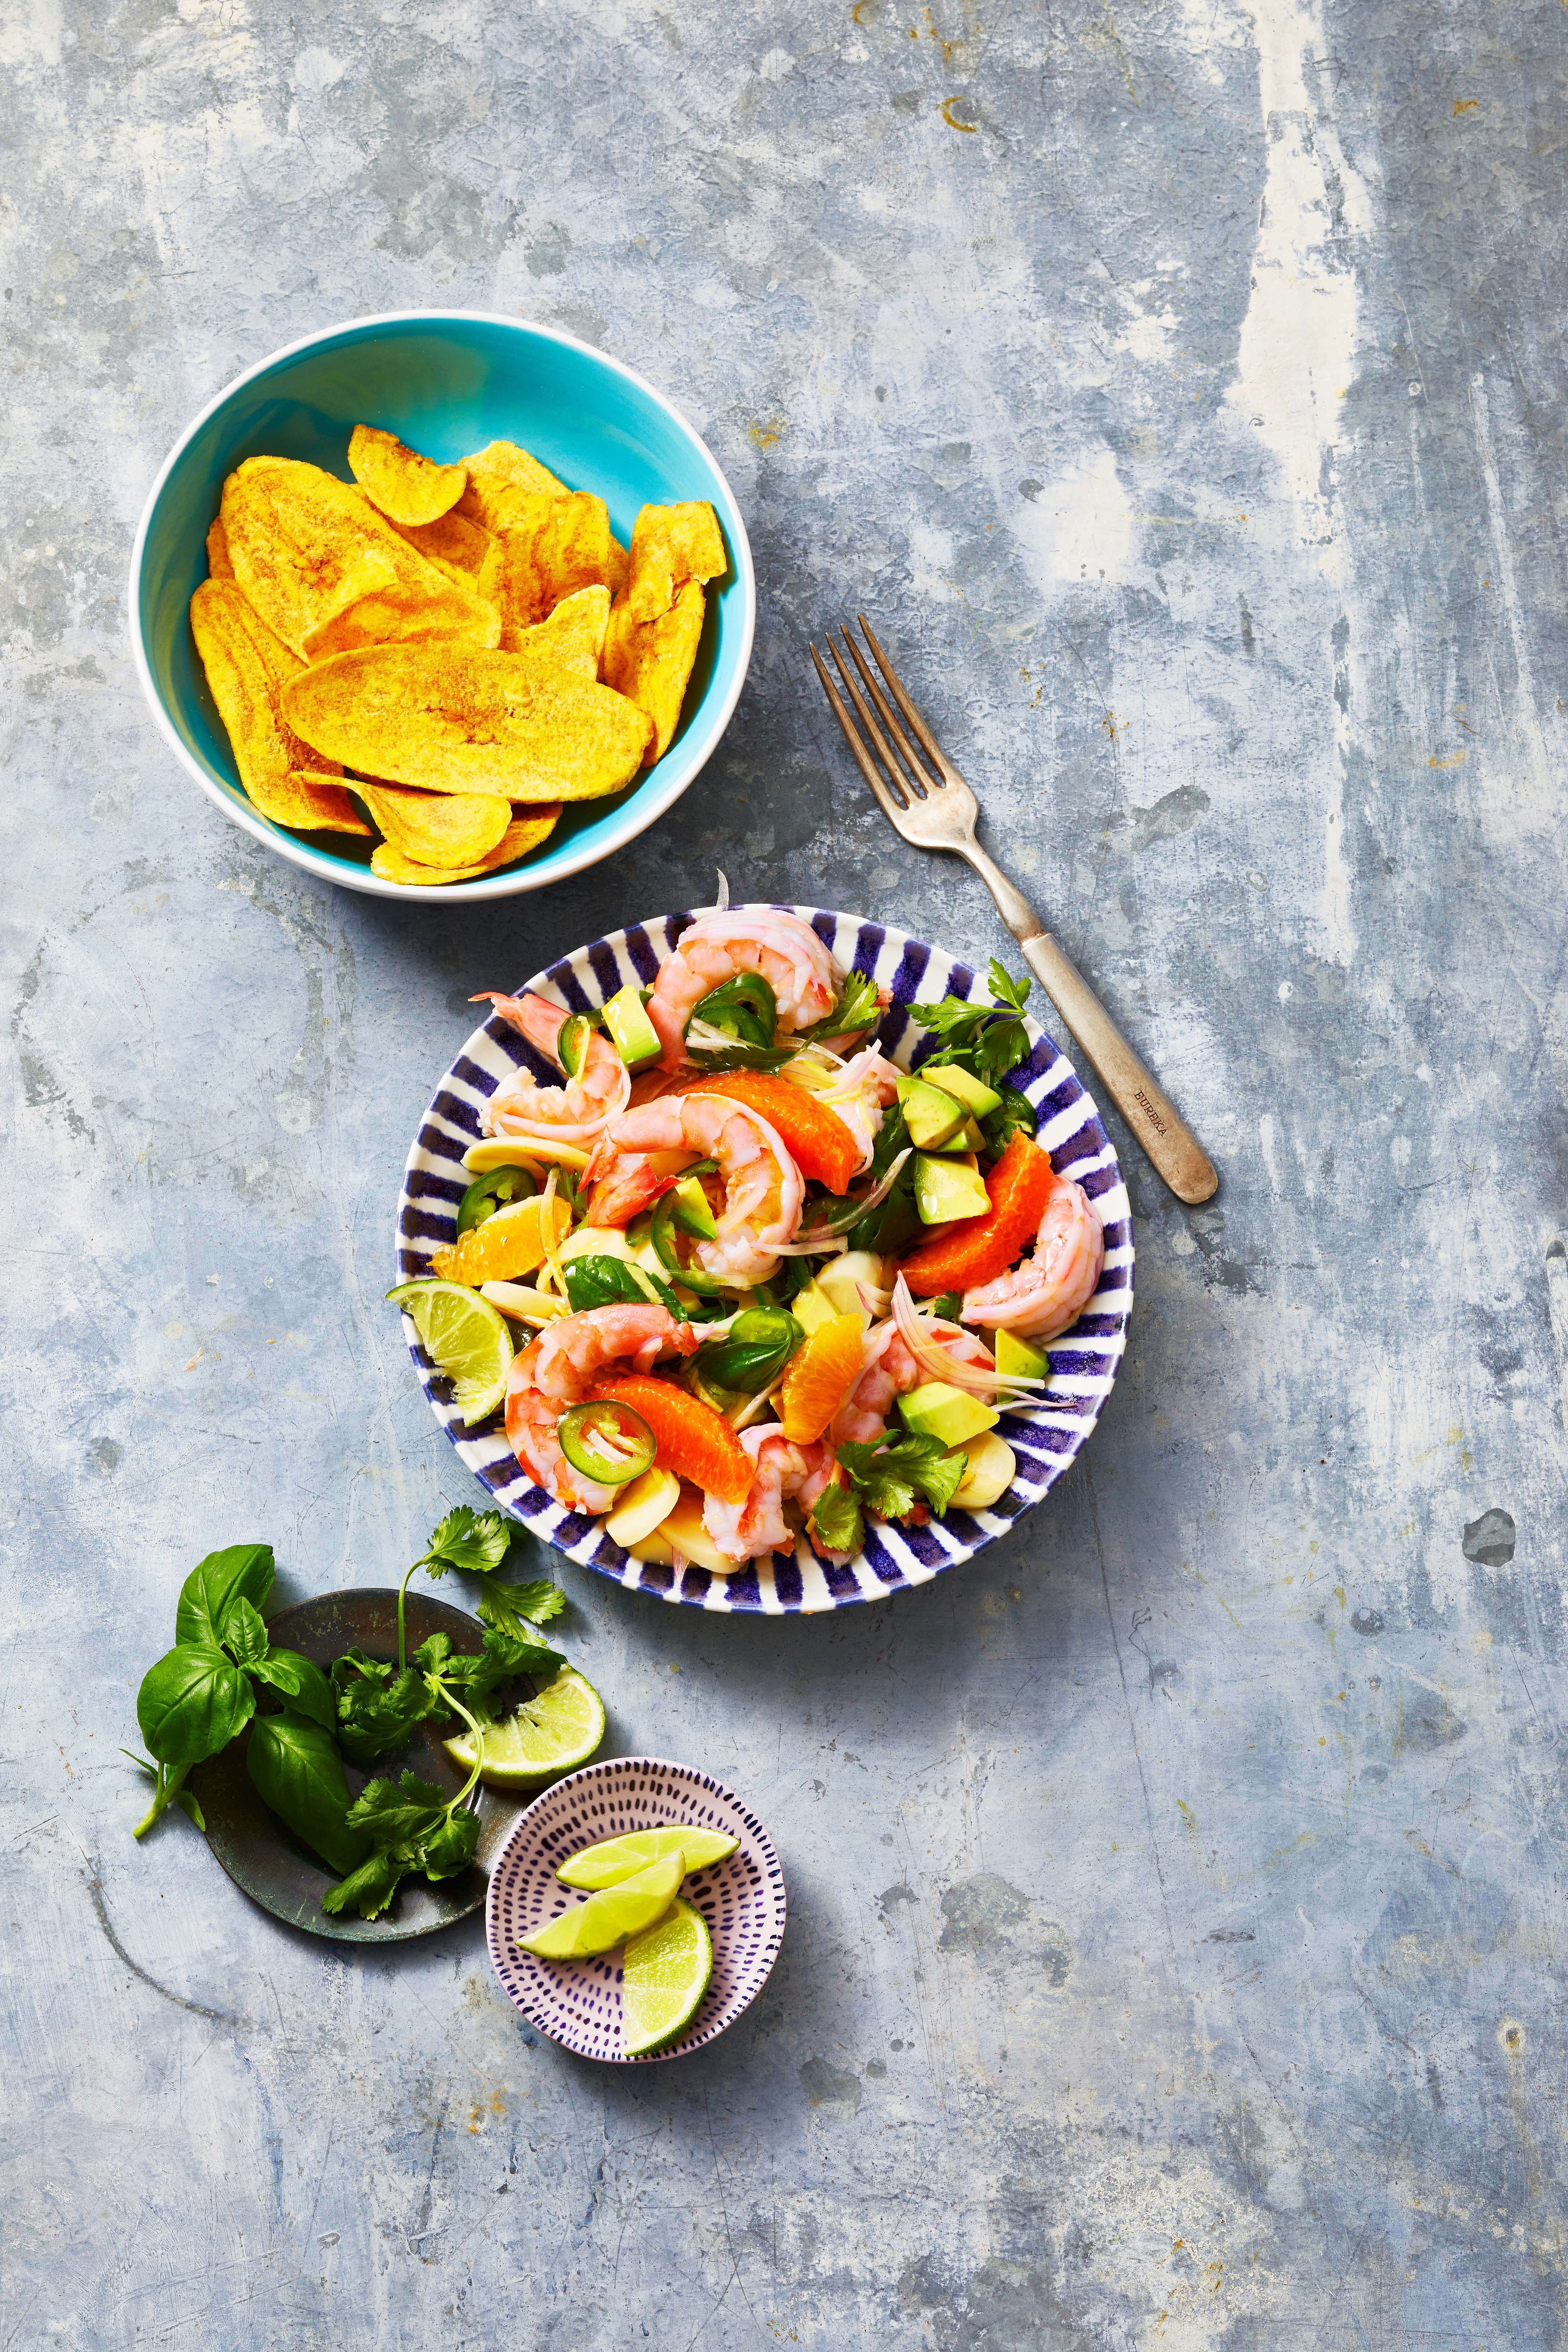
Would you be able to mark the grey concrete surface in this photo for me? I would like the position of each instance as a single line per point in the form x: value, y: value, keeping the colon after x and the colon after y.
x: 1176, y: 1945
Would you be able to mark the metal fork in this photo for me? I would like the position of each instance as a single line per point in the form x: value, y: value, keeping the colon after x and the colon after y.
x: 938, y: 810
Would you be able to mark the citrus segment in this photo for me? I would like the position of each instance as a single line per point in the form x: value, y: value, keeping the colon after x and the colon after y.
x: 664, y: 1975
x: 694, y: 1440
x: 977, y: 1249
x: 607, y: 1918
x: 463, y: 1336
x: 509, y: 1245
x: 818, y: 1378
x: 553, y: 1733
x: 608, y: 1864
x: 812, y: 1133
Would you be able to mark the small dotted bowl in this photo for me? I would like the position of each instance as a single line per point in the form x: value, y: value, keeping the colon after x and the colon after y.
x: 578, y: 2002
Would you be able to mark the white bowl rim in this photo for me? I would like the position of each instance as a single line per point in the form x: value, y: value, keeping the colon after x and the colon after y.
x: 297, y: 852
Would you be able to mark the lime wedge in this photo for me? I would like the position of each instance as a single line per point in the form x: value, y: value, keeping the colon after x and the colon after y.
x: 664, y: 1976
x: 463, y: 1336
x: 608, y: 1918
x: 553, y: 1733
x: 618, y: 1858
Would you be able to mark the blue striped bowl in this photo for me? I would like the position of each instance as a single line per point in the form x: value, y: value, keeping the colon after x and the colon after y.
x: 1045, y: 1436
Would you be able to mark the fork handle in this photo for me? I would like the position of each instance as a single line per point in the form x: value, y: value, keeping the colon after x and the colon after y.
x: 1149, y: 1111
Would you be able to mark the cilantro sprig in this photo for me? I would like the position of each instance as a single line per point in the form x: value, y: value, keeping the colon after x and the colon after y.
x: 988, y: 1040
x: 478, y: 1542
x: 888, y: 1479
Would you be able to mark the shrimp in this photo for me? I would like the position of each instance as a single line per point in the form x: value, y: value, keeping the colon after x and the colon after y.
x: 557, y: 1369
x: 787, y: 953
x: 634, y: 1160
x: 888, y: 1370
x: 1051, y: 1290
x: 574, y: 1113
x: 747, y: 1530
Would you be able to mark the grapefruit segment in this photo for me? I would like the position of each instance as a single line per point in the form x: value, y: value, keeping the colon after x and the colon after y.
x: 693, y: 1440
x: 977, y: 1249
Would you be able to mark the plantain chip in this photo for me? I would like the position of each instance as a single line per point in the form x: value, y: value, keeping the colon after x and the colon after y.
x: 219, y: 566
x: 436, y: 828
x: 405, y: 487
x: 529, y: 828
x: 305, y: 547
x: 457, y: 719
x: 408, y: 615
x: 452, y: 543
x: 650, y: 661
x: 247, y: 668
x: 497, y: 469
x: 573, y: 636
x: 669, y: 546
x: 547, y: 548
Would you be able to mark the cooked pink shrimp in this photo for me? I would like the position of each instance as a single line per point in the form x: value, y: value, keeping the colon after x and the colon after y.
x: 763, y: 1188
x: 787, y: 953
x: 888, y: 1370
x: 746, y: 1530
x: 558, y: 1368
x: 1052, y: 1289
x: 574, y: 1113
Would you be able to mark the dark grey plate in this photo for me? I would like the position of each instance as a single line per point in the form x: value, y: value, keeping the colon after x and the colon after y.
x: 270, y: 1865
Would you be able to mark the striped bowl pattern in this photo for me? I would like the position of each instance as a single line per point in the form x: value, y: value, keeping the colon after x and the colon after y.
x: 1043, y: 1436
x: 578, y: 2002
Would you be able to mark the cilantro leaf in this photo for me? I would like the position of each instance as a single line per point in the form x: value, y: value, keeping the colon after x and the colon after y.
x: 474, y: 1541
x: 369, y: 1889
x: 450, y: 1848
x: 859, y: 1007
x: 1005, y: 989
x: 1014, y: 1115
x: 377, y: 1708
x: 836, y: 1521
x: 507, y: 1607
x: 891, y: 1474
x: 400, y: 1812
x: 1000, y: 1047
x: 989, y: 1039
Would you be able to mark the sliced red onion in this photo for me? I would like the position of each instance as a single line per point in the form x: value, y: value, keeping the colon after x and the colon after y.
x: 721, y: 903
x: 847, y: 1225
x: 1006, y: 1388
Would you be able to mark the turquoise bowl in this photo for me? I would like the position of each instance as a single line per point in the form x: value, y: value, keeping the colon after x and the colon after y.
x: 447, y: 381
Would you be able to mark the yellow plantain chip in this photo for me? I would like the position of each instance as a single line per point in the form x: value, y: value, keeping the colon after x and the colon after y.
x: 305, y: 547
x: 436, y: 828
x: 246, y: 669
x: 529, y: 828
x: 547, y: 548
x: 650, y: 661
x: 452, y: 543
x: 669, y: 546
x: 219, y: 564
x: 405, y: 616
x: 456, y: 719
x: 408, y: 489
x: 499, y: 467
x: 573, y: 636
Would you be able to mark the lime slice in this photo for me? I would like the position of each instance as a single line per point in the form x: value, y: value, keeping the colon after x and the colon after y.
x: 618, y: 1858
x: 664, y: 1976
x: 465, y: 1338
x: 608, y: 1918
x: 553, y: 1733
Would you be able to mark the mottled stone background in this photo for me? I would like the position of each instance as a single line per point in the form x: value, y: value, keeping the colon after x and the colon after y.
x: 1176, y: 1947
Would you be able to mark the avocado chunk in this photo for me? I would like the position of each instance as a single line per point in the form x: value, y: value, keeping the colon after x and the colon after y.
x: 1016, y: 1356
x: 691, y: 1212
x: 944, y: 1193
x: 968, y: 1139
x: 636, y: 1039
x: 973, y: 1093
x: 812, y: 1308
x: 931, y: 1117
x: 935, y: 1410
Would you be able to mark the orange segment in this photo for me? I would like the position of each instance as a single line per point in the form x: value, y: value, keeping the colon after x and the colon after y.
x: 507, y: 1245
x: 694, y: 1440
x: 814, y: 1135
x: 820, y: 1376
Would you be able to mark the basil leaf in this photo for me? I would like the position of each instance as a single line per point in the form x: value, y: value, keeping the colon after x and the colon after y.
x: 244, y: 1570
x: 301, y: 1682
x: 191, y: 1702
x: 612, y: 1282
x: 244, y: 1635
x: 298, y: 1773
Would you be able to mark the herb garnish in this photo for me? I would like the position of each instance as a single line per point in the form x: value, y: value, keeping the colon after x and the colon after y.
x: 888, y: 1478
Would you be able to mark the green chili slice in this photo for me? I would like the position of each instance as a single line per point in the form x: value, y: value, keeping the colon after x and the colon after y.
x: 745, y: 1008
x: 573, y: 1042
x: 607, y: 1441
x: 488, y: 1193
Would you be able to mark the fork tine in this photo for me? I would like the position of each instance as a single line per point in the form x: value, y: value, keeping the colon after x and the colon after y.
x: 943, y: 765
x: 900, y: 784
x: 862, y: 760
x: 912, y: 758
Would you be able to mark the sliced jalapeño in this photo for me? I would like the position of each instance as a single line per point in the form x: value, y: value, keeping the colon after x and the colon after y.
x: 487, y: 1193
x: 607, y: 1441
